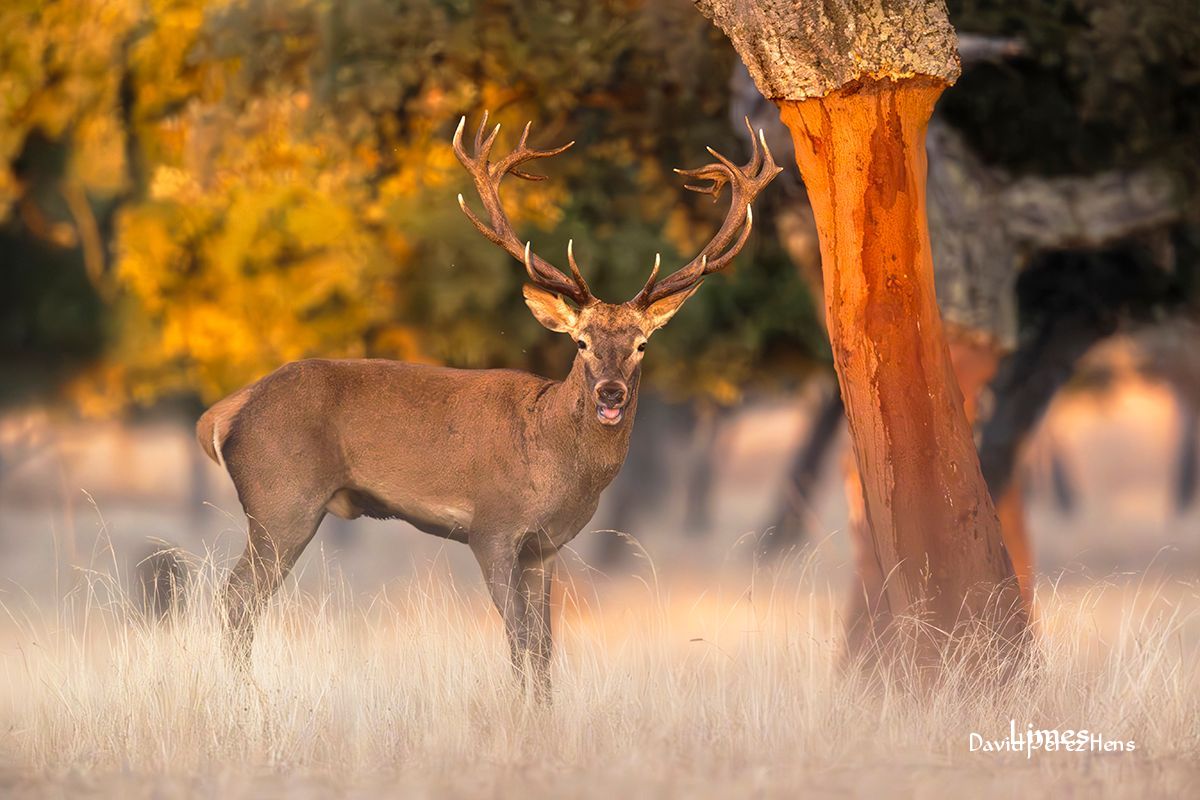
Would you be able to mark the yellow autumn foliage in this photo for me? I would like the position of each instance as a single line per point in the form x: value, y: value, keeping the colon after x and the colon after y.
x: 274, y: 180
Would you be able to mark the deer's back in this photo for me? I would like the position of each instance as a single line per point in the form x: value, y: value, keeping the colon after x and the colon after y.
x: 436, y: 446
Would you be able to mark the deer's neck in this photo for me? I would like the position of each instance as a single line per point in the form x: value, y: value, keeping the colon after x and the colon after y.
x: 595, y: 450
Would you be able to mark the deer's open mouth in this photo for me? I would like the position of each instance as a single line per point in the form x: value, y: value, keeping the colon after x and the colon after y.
x: 609, y: 415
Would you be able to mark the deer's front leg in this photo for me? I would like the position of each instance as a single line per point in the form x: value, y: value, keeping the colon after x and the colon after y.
x: 537, y: 576
x: 497, y: 557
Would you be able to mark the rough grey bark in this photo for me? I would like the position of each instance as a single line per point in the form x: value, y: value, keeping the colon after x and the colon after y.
x: 796, y: 49
x: 985, y: 224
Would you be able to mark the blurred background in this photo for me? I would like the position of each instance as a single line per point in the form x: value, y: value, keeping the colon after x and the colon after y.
x: 194, y: 193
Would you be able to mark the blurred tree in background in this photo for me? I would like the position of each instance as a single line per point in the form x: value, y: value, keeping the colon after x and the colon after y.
x: 1102, y: 84
x: 196, y: 192
x: 192, y: 193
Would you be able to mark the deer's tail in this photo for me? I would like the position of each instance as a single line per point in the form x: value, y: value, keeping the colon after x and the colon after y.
x: 215, y: 424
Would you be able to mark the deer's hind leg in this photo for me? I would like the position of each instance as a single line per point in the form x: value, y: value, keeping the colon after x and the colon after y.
x: 275, y: 541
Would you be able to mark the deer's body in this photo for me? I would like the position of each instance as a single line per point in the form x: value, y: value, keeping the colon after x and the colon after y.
x: 507, y: 462
x: 456, y: 453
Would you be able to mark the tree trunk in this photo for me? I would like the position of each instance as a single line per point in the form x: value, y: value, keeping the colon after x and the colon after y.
x: 868, y: 617
x: 856, y: 81
x: 861, y: 152
x: 975, y: 358
x: 1011, y: 508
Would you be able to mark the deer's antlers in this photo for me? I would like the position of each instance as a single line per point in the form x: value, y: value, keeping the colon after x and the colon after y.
x: 745, y: 182
x: 487, y: 177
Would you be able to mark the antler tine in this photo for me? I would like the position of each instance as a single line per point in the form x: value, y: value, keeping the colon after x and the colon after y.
x: 768, y: 159
x: 648, y: 289
x: 745, y: 184
x: 486, y: 150
x: 520, y: 173
x: 575, y: 273
x: 529, y: 264
x: 490, y: 234
x: 479, y: 133
x: 755, y: 154
x: 524, y: 153
x: 713, y: 172
x: 487, y: 177
x: 725, y: 162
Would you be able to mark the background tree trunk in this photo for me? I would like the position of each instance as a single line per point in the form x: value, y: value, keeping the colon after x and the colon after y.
x: 794, y: 508
x: 856, y: 82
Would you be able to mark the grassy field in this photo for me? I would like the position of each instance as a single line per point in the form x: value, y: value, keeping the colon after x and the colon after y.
x: 686, y: 690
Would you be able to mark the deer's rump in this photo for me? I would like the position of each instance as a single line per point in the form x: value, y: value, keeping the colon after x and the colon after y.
x: 378, y: 438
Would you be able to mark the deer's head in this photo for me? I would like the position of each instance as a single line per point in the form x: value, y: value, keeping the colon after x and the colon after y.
x: 611, y: 338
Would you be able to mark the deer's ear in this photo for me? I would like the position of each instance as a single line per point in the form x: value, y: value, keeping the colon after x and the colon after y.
x: 550, y: 309
x: 660, y: 313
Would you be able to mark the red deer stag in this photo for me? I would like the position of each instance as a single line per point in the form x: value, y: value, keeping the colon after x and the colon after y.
x: 510, y: 463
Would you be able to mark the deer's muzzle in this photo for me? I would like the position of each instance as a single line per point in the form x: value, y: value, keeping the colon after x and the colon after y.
x: 611, y: 397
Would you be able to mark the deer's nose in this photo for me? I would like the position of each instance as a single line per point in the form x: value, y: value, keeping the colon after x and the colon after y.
x: 611, y: 393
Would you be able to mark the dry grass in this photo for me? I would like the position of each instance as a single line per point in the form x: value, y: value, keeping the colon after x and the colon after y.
x: 656, y: 694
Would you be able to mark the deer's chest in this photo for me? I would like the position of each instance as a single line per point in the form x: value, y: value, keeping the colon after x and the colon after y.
x: 567, y: 503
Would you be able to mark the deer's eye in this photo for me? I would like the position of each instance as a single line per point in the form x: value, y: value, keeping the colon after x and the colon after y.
x: 642, y: 347
x: 582, y: 344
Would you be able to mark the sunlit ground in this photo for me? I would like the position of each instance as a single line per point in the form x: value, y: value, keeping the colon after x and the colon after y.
x: 692, y: 688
